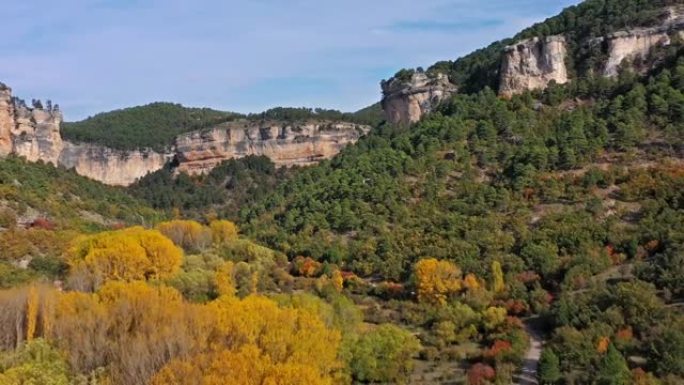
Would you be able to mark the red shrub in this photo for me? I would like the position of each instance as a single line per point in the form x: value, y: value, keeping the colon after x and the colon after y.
x: 499, y: 348
x: 42, y: 223
x: 480, y: 373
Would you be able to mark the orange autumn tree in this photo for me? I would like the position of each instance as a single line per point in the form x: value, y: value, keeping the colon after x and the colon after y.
x: 129, y: 254
x: 602, y: 345
x: 436, y: 280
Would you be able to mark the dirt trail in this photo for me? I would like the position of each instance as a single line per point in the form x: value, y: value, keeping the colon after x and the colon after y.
x: 528, y: 375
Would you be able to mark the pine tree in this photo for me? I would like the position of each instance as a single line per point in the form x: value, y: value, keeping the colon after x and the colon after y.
x: 613, y: 369
x: 549, y: 368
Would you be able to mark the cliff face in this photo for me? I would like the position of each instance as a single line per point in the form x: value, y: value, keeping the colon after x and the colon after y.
x: 626, y: 46
x: 533, y: 64
x: 285, y: 144
x: 34, y: 134
x: 405, y: 102
x: 6, y: 120
x: 112, y: 167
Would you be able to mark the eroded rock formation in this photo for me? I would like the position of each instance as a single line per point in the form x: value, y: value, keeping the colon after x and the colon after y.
x: 532, y: 64
x: 34, y: 133
x: 406, y: 101
x: 6, y: 120
x: 284, y: 143
x: 626, y: 46
x: 112, y: 167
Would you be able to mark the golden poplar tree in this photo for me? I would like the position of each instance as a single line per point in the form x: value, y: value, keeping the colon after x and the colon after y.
x: 436, y: 280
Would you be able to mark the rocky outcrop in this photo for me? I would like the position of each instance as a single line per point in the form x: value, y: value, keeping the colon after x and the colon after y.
x: 34, y: 133
x: 532, y: 64
x: 629, y: 45
x: 6, y: 120
x: 285, y: 144
x: 112, y: 167
x: 406, y: 101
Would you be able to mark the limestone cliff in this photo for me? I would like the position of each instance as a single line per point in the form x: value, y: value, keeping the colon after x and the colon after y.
x: 532, y: 64
x: 6, y: 120
x: 109, y: 166
x: 406, y: 101
x: 286, y: 144
x: 34, y: 133
x: 36, y: 136
x: 626, y: 46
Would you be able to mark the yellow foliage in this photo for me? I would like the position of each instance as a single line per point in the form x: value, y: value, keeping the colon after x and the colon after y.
x: 131, y: 328
x: 25, y: 314
x: 225, y: 284
x: 436, y: 280
x: 189, y: 235
x: 337, y: 280
x: 31, y: 313
x: 494, y: 317
x: 129, y: 254
x: 246, y: 366
x: 223, y: 232
x: 286, y: 335
x: 498, y: 284
x: 471, y: 282
x: 140, y: 332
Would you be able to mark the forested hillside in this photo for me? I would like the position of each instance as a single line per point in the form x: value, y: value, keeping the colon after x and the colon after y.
x: 152, y: 126
x: 445, y: 252
x: 590, y: 19
x: 156, y: 125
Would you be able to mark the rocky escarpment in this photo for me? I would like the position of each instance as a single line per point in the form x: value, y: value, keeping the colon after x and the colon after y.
x: 286, y: 144
x: 112, y: 167
x: 533, y: 64
x: 34, y: 133
x: 405, y: 101
x: 6, y: 120
x: 627, y: 46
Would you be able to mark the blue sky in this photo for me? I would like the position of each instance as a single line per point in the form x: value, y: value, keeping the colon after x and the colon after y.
x: 91, y: 56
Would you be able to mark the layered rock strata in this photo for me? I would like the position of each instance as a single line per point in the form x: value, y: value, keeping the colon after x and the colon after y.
x: 34, y: 133
x: 406, y: 101
x: 532, y: 64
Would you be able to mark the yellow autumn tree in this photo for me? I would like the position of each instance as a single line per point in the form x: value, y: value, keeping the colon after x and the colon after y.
x: 285, y: 335
x: 129, y: 254
x: 190, y: 235
x: 493, y: 318
x: 225, y: 283
x: 337, y: 280
x: 32, y: 303
x: 245, y: 366
x: 26, y: 313
x: 436, y: 280
x: 498, y: 284
x: 131, y: 328
x: 471, y: 282
x: 223, y: 232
